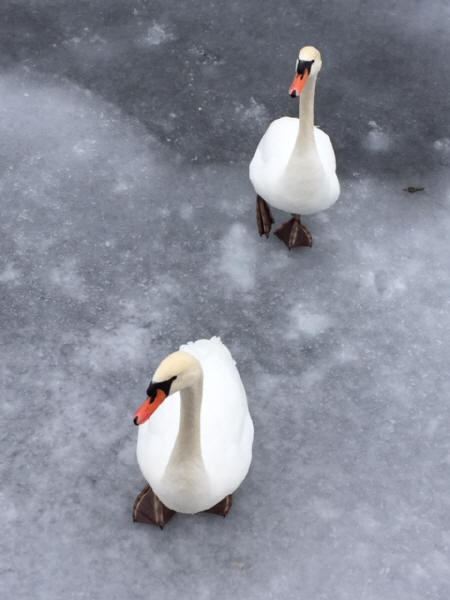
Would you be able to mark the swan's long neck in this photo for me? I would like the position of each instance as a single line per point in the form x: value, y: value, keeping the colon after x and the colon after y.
x: 187, y: 446
x: 305, y: 138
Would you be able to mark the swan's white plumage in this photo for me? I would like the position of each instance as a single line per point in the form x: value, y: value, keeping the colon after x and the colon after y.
x: 226, y: 432
x: 291, y: 176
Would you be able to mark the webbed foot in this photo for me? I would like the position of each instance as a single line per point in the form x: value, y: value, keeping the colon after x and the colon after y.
x: 148, y: 508
x: 222, y: 507
x: 264, y: 217
x: 293, y: 233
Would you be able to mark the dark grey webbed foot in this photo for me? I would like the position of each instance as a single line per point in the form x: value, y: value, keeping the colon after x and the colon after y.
x: 293, y: 233
x: 222, y: 507
x: 264, y: 217
x: 148, y: 508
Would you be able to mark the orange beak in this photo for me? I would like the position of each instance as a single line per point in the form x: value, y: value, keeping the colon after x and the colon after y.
x: 298, y: 84
x: 145, y: 411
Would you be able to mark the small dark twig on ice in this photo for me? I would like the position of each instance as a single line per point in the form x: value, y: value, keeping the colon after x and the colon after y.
x: 411, y: 189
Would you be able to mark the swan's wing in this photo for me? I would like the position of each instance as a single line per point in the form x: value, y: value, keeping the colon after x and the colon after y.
x: 207, y: 348
x: 275, y: 146
x: 325, y: 150
x: 226, y: 425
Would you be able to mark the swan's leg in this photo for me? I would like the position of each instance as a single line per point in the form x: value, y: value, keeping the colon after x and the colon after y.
x: 293, y: 233
x: 222, y: 507
x: 148, y: 508
x: 264, y: 217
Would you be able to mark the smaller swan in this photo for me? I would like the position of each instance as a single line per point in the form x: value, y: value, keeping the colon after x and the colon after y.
x: 294, y: 167
x: 196, y: 449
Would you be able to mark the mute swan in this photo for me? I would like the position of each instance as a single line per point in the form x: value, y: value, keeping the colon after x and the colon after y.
x: 196, y: 448
x: 294, y: 167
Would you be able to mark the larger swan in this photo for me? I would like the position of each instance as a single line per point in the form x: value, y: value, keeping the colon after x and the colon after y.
x: 294, y: 167
x: 196, y: 448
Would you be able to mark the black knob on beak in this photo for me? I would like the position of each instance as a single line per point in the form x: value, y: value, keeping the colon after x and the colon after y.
x: 304, y: 65
x: 135, y: 421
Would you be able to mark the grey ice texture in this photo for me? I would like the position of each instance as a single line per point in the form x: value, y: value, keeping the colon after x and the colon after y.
x: 128, y: 228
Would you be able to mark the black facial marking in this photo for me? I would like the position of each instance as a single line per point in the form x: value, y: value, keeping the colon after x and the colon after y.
x: 304, y: 65
x: 159, y: 385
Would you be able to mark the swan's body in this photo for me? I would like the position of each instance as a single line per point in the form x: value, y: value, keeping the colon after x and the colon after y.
x: 291, y: 177
x: 294, y: 166
x: 196, y: 448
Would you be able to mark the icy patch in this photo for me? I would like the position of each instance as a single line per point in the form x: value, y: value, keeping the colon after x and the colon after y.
x: 383, y: 283
x: 238, y: 258
x: 186, y: 212
x: 67, y: 278
x: 127, y: 455
x: 325, y: 509
x: 120, y: 187
x: 432, y: 426
x: 442, y: 146
x: 205, y: 56
x: 9, y: 274
x: 112, y: 349
x: 377, y: 140
x: 85, y: 148
x: 346, y: 354
x: 367, y: 280
x: 156, y: 34
x: 365, y: 519
x: 253, y: 112
x: 306, y: 323
x: 91, y: 47
x: 8, y: 509
x: 388, y: 286
x: 311, y: 377
x: 322, y: 217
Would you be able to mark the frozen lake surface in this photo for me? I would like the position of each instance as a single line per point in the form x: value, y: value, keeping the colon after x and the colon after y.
x: 128, y: 228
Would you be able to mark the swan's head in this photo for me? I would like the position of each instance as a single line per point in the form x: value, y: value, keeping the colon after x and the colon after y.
x: 308, y: 65
x: 176, y: 372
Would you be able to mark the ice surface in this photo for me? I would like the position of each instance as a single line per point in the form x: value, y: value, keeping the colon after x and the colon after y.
x: 377, y: 139
x: 128, y: 228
